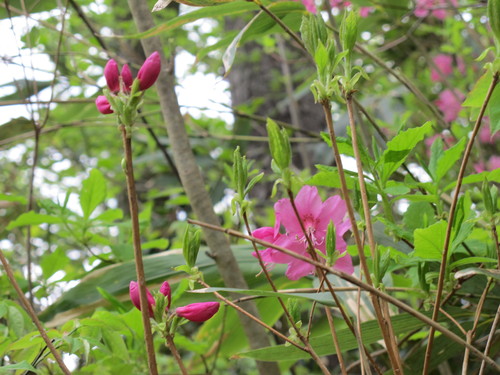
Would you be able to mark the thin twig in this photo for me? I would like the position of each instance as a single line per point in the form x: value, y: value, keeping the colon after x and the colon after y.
x: 451, y: 216
x: 490, y: 340
x: 136, y: 239
x: 257, y: 320
x: 173, y: 349
x: 32, y: 314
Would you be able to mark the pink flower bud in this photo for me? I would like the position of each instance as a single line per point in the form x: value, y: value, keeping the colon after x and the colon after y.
x: 167, y: 292
x: 136, y: 300
x: 103, y: 105
x: 112, y: 75
x: 149, y: 72
x: 127, y: 77
x: 198, y: 312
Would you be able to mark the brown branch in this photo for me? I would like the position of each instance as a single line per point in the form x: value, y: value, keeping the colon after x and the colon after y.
x: 136, y: 238
x: 173, y: 349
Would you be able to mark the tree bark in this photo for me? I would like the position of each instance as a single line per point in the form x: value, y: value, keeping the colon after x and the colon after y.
x: 194, y: 184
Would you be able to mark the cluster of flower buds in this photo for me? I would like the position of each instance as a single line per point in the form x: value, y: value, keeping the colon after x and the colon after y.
x: 195, y: 312
x: 123, y: 82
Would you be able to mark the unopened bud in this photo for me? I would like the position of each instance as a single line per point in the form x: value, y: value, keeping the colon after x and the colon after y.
x: 112, y: 75
x: 127, y: 78
x: 103, y: 105
x: 198, y: 312
x: 149, y: 72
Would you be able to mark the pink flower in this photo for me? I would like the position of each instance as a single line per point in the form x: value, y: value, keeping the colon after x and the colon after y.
x: 149, y: 72
x: 435, y: 8
x: 450, y: 103
x: 136, y: 300
x: 127, y: 77
x: 315, y: 215
x: 485, y: 135
x: 363, y: 11
x: 310, y: 6
x: 112, y: 75
x: 445, y: 66
x: 167, y: 292
x: 492, y: 164
x: 198, y: 312
x: 103, y: 105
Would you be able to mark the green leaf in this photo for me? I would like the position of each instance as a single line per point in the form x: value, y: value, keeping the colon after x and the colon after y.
x: 419, y: 215
x: 160, y: 243
x: 13, y: 198
x: 23, y: 365
x: 493, y: 176
x: 93, y: 192
x: 494, y: 110
x: 429, y: 241
x: 15, y: 321
x: 400, y: 147
x: 402, y: 323
x: 448, y: 159
x: 495, y: 274
x: 115, y: 342
x: 476, y: 96
x: 228, y: 9
x: 110, y: 215
x: 471, y: 260
x: 53, y: 262
x: 33, y: 218
x: 230, y: 53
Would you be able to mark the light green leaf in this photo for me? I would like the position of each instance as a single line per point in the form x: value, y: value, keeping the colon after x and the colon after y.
x: 23, y: 365
x: 448, y: 159
x: 110, y: 215
x: 494, y: 110
x: 429, y: 241
x: 53, y: 262
x: 13, y: 198
x: 400, y: 147
x: 33, y: 218
x: 230, y: 53
x: 93, y: 192
x: 471, y: 260
x: 476, y: 96
x: 115, y: 342
x: 161, y: 243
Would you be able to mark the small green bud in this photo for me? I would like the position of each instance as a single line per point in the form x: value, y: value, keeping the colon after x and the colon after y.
x: 349, y: 30
x: 330, y: 243
x: 240, y: 172
x: 191, y: 245
x: 494, y: 18
x: 279, y: 144
x: 293, y: 307
x: 487, y: 198
x: 313, y: 31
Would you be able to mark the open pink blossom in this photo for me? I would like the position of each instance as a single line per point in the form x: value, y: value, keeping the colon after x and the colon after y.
x: 136, y: 300
x: 450, y: 103
x: 315, y: 215
x: 436, y: 8
x: 198, y: 312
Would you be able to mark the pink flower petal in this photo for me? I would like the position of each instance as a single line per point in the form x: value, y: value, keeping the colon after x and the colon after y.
x: 136, y: 299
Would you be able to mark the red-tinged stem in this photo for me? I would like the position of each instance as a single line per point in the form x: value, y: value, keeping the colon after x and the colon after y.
x: 173, y: 349
x: 451, y: 217
x: 136, y: 239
